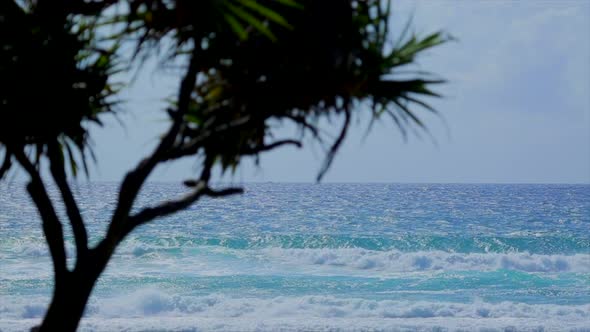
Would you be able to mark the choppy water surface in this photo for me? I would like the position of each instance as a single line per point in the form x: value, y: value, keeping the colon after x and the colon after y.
x: 337, y: 257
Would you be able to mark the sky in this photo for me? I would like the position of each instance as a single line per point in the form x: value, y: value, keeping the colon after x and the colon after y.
x: 516, y: 108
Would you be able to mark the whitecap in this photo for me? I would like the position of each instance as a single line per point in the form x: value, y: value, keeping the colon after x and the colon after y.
x: 397, y: 261
x: 151, y: 308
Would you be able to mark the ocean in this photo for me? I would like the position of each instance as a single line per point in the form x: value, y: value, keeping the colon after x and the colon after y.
x: 322, y: 257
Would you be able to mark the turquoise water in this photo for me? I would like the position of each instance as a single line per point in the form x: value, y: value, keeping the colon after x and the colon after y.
x: 328, y: 257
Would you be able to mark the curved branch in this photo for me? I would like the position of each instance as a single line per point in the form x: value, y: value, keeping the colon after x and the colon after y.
x: 72, y: 210
x: 134, y: 179
x: 6, y: 163
x: 271, y: 146
x: 335, y: 146
x: 52, y: 227
x: 90, y: 7
x: 196, y: 143
x: 166, y: 208
x: 300, y: 120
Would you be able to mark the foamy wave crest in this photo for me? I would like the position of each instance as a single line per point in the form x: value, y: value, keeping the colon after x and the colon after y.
x: 396, y: 261
x: 549, y: 244
x: 216, y: 312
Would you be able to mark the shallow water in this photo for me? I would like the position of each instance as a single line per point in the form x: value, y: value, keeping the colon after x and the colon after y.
x: 337, y: 257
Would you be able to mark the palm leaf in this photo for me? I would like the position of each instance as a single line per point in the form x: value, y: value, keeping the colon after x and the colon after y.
x: 252, y: 20
x: 236, y: 26
x: 266, y: 12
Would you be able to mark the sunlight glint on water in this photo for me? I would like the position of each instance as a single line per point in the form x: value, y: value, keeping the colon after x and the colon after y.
x: 323, y: 257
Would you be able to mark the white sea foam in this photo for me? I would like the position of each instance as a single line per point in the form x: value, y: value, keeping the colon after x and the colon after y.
x: 193, y: 324
x: 215, y: 261
x: 358, y: 259
x: 140, y: 260
x: 397, y: 261
x: 150, y: 309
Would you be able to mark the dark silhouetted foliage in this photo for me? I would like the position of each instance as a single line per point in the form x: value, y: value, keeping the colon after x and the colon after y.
x: 246, y: 64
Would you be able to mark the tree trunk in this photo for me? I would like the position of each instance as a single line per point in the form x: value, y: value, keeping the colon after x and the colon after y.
x: 70, y: 296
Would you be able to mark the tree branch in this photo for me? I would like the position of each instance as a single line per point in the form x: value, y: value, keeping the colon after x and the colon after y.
x: 52, y: 227
x: 6, y: 163
x: 134, y: 179
x: 59, y: 175
x: 196, y: 143
x: 166, y: 208
x: 271, y: 146
x: 300, y: 120
x: 90, y: 7
x: 335, y: 145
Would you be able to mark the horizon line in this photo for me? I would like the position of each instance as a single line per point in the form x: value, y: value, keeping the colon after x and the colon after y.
x: 325, y: 182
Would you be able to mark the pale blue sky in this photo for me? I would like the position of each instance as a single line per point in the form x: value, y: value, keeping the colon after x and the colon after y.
x: 517, y: 107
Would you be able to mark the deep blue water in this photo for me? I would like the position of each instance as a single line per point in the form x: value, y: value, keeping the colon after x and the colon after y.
x: 337, y: 257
